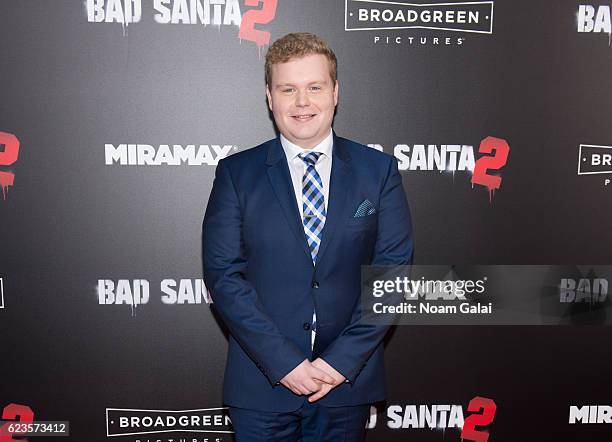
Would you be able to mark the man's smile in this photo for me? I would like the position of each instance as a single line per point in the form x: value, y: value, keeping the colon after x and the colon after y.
x: 303, y: 117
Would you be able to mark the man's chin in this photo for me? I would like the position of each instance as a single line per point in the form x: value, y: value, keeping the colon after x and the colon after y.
x: 306, y: 137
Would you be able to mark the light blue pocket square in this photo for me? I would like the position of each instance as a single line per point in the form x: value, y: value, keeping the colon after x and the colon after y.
x: 364, y: 209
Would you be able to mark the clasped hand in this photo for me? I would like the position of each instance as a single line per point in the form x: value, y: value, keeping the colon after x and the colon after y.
x: 316, y: 377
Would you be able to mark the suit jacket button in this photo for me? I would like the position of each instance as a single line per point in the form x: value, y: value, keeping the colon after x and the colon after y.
x: 306, y: 326
x: 315, y: 285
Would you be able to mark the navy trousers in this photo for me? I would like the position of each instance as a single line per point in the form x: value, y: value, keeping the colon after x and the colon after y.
x: 309, y: 423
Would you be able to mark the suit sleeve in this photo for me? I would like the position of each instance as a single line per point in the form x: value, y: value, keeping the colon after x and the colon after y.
x: 225, y: 266
x: 349, y: 352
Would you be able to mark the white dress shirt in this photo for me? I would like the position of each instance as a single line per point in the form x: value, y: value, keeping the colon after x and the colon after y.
x: 297, y: 168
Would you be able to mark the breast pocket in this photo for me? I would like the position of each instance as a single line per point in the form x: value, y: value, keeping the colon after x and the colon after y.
x: 362, y: 222
x: 360, y: 237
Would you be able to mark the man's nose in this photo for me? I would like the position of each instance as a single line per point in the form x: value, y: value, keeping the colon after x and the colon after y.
x: 301, y: 99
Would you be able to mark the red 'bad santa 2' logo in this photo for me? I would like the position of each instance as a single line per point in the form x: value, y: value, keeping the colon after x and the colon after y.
x: 474, y: 427
x: 453, y: 158
x: 190, y: 12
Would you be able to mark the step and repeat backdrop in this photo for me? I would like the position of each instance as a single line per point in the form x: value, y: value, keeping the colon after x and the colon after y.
x: 115, y: 113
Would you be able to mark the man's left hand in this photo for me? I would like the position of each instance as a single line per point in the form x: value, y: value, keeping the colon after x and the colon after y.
x: 326, y: 388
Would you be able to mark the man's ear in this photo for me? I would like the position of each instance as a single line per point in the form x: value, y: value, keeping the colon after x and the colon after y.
x: 336, y: 93
x: 269, y: 97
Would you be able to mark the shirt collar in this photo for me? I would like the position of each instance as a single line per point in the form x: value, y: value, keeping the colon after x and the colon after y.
x: 293, y: 150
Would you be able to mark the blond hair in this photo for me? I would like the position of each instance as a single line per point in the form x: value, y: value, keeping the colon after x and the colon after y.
x: 298, y: 45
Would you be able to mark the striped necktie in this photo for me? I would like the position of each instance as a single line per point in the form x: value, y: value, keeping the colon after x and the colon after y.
x: 313, y: 203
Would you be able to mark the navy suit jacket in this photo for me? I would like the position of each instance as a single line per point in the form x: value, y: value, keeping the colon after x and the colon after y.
x: 258, y: 269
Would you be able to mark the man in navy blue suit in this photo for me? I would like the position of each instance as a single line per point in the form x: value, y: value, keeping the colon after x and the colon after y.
x: 289, y: 224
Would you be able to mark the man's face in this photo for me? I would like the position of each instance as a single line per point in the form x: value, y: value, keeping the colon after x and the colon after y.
x: 302, y: 98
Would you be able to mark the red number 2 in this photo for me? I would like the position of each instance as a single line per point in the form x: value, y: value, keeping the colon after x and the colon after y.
x: 11, y: 411
x: 7, y: 157
x: 495, y: 162
x: 488, y: 408
x: 257, y: 16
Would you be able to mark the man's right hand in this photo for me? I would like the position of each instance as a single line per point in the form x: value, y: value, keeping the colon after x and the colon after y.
x: 306, y: 378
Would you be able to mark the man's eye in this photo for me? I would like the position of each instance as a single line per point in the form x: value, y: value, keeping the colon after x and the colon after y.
x: 316, y: 88
x: 288, y: 90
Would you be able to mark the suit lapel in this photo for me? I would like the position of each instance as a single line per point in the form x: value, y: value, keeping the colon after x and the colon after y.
x: 340, y: 182
x: 280, y: 179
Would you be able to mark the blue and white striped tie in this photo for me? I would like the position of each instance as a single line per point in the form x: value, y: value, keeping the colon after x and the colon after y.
x: 313, y: 203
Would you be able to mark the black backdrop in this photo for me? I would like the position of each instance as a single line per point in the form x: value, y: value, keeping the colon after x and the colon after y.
x: 73, y: 90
